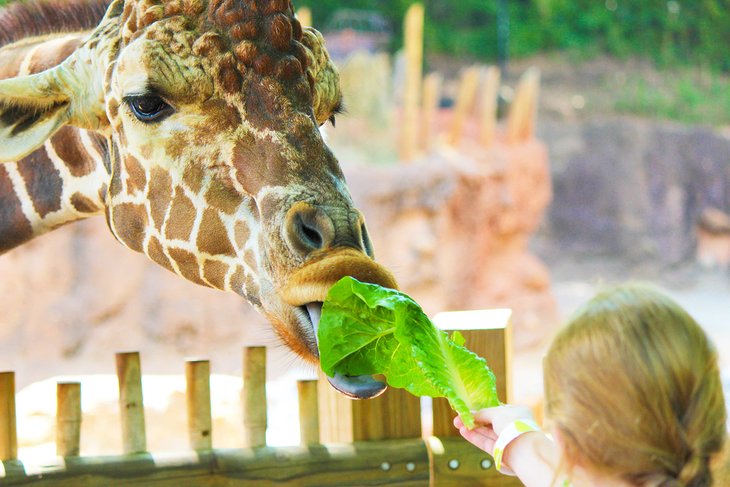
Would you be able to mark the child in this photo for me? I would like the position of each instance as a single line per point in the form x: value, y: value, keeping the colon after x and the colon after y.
x: 633, y: 392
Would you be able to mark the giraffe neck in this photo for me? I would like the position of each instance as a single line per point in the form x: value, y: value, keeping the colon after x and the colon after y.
x: 63, y: 181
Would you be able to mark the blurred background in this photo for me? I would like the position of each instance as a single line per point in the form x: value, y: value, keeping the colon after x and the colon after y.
x: 532, y: 152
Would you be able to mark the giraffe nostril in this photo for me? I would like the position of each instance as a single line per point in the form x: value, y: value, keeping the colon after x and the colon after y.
x: 309, y: 233
x: 366, y: 242
x: 308, y: 228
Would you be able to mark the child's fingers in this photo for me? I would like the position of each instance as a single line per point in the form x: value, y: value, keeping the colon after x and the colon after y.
x: 483, y: 438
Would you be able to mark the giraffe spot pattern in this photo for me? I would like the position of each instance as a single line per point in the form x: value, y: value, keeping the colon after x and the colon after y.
x: 224, y: 199
x: 242, y: 234
x: 67, y: 144
x: 215, y: 273
x: 15, y: 228
x: 45, y: 59
x: 187, y: 263
x: 238, y: 280
x: 136, y: 177
x: 193, y: 177
x: 83, y: 204
x: 182, y: 217
x: 130, y: 222
x: 157, y: 254
x: 213, y: 236
x: 159, y: 195
x: 116, y: 167
x: 11, y: 59
x: 42, y: 181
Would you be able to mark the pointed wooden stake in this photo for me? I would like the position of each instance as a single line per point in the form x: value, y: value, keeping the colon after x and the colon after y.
x: 431, y: 100
x: 464, y: 102
x: 488, y: 108
x: 522, y: 113
x: 413, y: 33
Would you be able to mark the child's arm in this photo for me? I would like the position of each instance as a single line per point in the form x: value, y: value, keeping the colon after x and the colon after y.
x: 532, y: 456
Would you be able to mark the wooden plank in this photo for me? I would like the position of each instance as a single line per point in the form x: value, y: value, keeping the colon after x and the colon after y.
x: 395, y: 463
x: 413, y: 37
x: 68, y: 419
x: 131, y: 404
x: 488, y: 334
x: 254, y: 396
x: 8, y: 434
x: 395, y: 414
x: 455, y: 462
x: 200, y: 424
x: 308, y: 412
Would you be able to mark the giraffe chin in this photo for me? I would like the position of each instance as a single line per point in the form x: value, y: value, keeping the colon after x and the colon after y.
x: 307, y: 289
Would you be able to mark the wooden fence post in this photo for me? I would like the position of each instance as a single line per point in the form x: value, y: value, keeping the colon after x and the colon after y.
x: 68, y: 419
x: 489, y: 95
x: 413, y: 35
x: 308, y: 412
x: 8, y: 434
x: 254, y: 396
x: 455, y: 462
x: 131, y: 405
x: 197, y: 392
x: 396, y: 414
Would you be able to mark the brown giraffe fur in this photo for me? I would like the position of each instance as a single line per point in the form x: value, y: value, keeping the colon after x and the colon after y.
x: 234, y: 189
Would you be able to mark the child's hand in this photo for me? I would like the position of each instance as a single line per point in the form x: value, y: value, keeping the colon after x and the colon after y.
x: 490, y: 422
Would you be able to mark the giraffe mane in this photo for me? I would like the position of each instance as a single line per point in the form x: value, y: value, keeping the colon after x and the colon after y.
x: 19, y: 20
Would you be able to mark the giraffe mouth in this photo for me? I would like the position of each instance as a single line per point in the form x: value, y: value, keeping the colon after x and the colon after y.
x: 355, y: 387
x: 307, y: 289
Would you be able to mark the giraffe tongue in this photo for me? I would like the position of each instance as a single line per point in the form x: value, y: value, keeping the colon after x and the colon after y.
x: 355, y: 387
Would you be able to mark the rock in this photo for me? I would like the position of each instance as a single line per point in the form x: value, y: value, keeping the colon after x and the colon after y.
x: 634, y: 188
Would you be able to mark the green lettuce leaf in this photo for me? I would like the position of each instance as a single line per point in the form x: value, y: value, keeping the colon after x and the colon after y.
x: 369, y: 329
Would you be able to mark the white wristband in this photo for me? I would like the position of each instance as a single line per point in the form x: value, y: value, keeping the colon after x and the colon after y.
x: 510, y: 433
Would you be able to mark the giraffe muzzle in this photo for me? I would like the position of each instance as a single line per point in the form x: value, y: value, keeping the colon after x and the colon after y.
x: 307, y: 289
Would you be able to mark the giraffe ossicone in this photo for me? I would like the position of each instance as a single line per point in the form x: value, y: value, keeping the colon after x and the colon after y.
x: 194, y: 127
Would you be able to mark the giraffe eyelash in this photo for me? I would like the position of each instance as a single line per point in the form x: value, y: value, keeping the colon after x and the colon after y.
x: 339, y: 109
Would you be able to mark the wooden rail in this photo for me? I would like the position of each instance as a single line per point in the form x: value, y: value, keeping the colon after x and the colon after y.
x: 373, y: 442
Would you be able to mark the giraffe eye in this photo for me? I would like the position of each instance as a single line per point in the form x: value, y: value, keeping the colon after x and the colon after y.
x: 149, y: 108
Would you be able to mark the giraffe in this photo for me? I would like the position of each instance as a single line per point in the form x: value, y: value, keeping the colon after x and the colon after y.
x: 193, y: 126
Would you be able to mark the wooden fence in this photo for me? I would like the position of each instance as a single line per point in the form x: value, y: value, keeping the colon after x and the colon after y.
x: 343, y: 442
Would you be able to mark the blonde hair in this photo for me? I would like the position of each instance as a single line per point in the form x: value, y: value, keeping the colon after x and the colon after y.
x: 633, y: 389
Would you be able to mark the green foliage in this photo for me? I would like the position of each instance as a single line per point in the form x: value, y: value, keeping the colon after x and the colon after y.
x: 686, y: 95
x: 669, y: 31
x: 367, y: 329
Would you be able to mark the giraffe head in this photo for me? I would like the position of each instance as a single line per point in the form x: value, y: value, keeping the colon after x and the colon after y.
x: 217, y: 167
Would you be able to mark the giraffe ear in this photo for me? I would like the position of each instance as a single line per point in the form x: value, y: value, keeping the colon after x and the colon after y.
x: 32, y: 109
